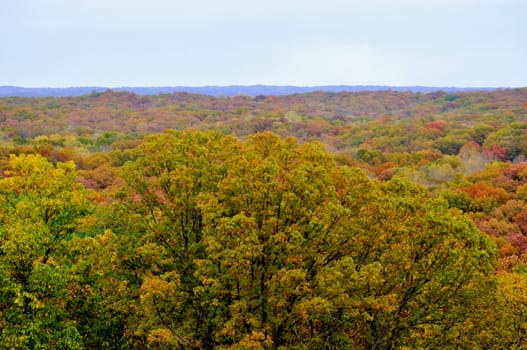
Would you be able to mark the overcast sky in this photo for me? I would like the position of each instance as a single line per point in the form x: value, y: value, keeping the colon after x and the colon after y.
x: 113, y: 43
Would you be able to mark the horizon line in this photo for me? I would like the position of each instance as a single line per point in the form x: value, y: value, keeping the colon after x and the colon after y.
x: 266, y: 85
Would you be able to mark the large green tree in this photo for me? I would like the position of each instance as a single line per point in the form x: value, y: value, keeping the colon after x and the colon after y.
x: 41, y: 207
x: 267, y: 243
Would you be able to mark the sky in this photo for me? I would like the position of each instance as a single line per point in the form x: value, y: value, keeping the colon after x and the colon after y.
x: 115, y: 43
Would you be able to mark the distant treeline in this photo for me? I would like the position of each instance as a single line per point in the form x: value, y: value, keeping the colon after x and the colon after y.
x: 231, y: 90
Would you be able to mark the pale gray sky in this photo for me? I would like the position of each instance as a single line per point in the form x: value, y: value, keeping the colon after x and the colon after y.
x: 114, y: 43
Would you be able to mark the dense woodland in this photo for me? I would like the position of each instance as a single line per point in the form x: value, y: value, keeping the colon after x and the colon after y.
x: 370, y: 220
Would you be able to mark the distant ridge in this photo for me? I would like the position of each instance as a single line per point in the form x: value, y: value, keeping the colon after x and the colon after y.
x: 231, y: 90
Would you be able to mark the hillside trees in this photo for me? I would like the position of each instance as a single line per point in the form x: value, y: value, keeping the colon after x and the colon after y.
x: 210, y: 241
x: 512, y: 138
x: 390, y: 122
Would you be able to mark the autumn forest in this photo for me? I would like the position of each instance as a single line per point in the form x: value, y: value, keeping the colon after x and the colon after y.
x: 322, y: 220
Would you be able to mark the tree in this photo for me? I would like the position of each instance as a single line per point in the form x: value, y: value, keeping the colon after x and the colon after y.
x: 269, y: 244
x: 169, y: 175
x: 511, y: 138
x: 41, y: 207
x: 502, y: 322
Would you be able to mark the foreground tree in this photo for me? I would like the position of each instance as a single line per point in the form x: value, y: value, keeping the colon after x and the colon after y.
x: 41, y: 207
x: 268, y: 244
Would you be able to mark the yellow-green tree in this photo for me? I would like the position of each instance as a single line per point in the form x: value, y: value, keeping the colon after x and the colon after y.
x: 267, y: 243
x: 41, y: 207
x: 163, y: 224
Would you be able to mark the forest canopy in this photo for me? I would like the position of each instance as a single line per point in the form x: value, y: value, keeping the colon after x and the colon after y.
x: 380, y: 220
